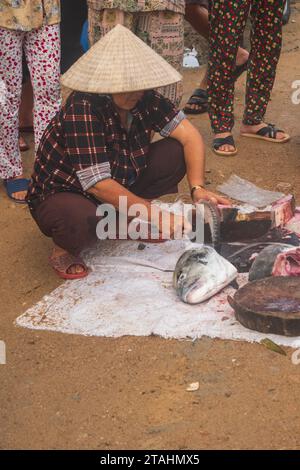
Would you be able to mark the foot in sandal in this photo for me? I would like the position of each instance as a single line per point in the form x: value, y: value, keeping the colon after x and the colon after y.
x: 223, y: 144
x: 198, y: 101
x: 16, y: 188
x: 67, y: 266
x: 263, y: 131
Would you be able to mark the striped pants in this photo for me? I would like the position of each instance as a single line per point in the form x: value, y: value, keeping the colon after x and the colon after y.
x: 227, y: 23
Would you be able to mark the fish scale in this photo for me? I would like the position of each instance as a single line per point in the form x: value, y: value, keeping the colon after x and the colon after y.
x: 212, y: 216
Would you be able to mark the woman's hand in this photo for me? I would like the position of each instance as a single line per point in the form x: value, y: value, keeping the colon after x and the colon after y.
x: 179, y: 226
x: 171, y: 226
x: 201, y: 193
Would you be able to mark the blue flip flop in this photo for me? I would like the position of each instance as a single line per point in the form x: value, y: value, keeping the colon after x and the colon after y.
x: 14, y: 186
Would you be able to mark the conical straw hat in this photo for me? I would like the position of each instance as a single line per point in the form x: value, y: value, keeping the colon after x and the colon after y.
x: 119, y: 62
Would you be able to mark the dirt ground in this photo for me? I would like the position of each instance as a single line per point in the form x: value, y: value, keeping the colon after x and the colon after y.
x: 66, y: 391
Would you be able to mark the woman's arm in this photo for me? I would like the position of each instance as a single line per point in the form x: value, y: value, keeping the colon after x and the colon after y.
x: 109, y: 191
x: 193, y: 147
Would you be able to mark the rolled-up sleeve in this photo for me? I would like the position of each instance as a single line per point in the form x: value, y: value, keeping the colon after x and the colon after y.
x: 93, y: 174
x: 85, y: 144
x: 171, y: 126
x: 165, y: 116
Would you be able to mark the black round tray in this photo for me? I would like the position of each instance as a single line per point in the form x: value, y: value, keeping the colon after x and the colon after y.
x: 270, y: 305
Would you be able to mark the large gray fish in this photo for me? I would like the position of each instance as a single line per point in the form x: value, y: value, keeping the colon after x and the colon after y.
x: 201, y: 273
x: 277, y: 260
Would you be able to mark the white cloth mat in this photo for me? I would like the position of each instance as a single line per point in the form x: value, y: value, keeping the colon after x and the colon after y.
x: 121, y: 298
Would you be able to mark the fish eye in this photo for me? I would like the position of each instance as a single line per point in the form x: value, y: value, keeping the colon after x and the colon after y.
x: 202, y: 259
x: 182, y: 277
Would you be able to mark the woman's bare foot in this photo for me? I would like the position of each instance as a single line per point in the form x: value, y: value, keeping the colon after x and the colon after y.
x: 245, y: 129
x: 59, y: 252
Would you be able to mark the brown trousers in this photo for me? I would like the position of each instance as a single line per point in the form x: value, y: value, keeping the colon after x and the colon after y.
x: 70, y: 218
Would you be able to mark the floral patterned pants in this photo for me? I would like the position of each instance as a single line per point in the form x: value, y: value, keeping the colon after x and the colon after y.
x: 227, y: 23
x: 161, y: 30
x: 42, y: 50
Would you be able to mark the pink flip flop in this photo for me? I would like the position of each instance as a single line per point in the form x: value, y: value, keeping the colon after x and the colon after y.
x: 62, y: 263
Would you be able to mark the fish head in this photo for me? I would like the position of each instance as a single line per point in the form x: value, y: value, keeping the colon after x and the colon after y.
x: 189, y: 274
x: 200, y: 273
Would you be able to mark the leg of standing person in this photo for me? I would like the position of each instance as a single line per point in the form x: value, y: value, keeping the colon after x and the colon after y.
x: 266, y: 39
x: 163, y: 31
x: 25, y: 114
x: 227, y: 24
x: 42, y: 50
x: 196, y: 13
x: 26, y: 107
x: 10, y: 95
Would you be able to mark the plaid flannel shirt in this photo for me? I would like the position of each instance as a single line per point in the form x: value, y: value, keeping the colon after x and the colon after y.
x: 86, y: 143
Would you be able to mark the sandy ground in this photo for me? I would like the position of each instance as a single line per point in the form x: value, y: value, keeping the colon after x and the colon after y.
x: 65, y: 391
